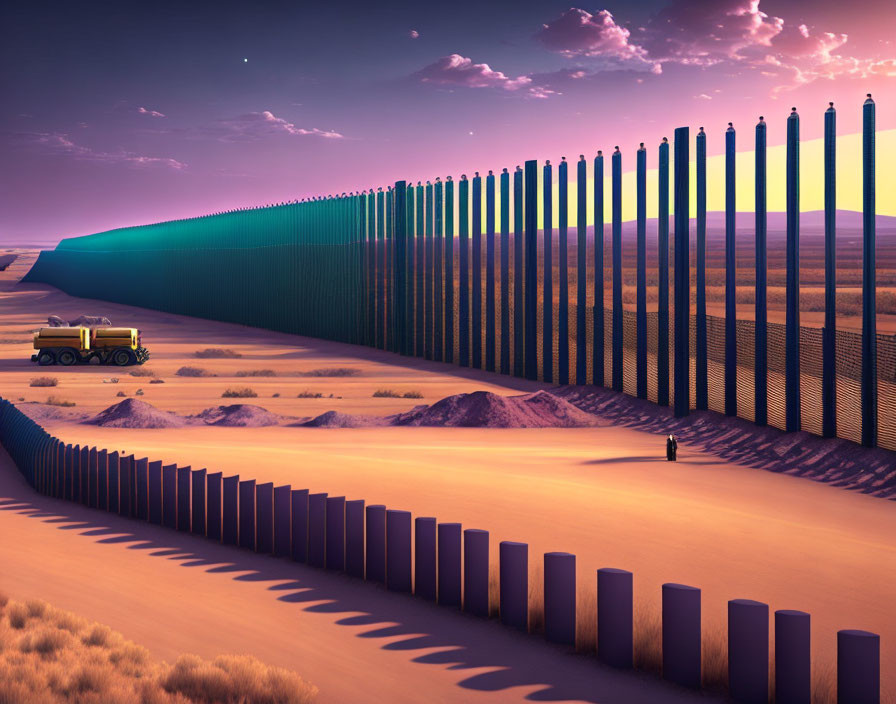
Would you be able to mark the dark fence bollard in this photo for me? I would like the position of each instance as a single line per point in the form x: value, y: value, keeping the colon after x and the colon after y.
x: 184, y: 475
x: 113, y: 481
x: 213, y: 505
x: 67, y: 462
x: 264, y: 518
x: 92, y: 478
x: 282, y: 521
x: 354, y: 537
x: 142, y: 471
x: 748, y: 651
x: 858, y: 667
x: 449, y: 558
x: 317, y: 529
x: 169, y: 495
x: 425, y: 558
x: 398, y: 550
x: 124, y: 484
x: 681, y: 635
x: 299, y: 505
x: 615, y: 617
x: 102, y: 487
x: 376, y: 544
x: 154, y: 480
x: 247, y: 514
x: 230, y: 530
x: 513, y: 565
x: 197, y: 498
x: 335, y: 533
x: 560, y: 597
x: 476, y: 572
x: 85, y: 477
x: 793, y: 664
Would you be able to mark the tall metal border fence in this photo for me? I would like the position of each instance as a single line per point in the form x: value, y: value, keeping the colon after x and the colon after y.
x: 441, y: 563
x: 478, y: 275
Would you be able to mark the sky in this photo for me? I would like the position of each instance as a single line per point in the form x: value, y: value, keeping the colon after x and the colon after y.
x: 122, y: 113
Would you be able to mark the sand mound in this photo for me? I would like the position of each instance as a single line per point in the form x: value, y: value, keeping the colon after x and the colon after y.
x: 241, y: 415
x: 39, y: 412
x: 133, y: 413
x: 335, y: 419
x: 483, y: 409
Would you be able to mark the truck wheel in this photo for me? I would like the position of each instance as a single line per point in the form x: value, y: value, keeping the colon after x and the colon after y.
x: 122, y: 358
x: 66, y: 357
x: 45, y: 358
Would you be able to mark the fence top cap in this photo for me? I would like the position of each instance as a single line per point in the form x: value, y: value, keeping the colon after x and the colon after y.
x: 731, y: 126
x: 793, y: 112
x: 463, y: 177
x: 600, y: 152
x: 641, y: 146
x: 761, y: 120
x: 448, y: 178
x: 428, y: 182
x: 617, y: 149
x: 830, y: 106
x: 519, y: 168
x: 868, y: 99
x: 438, y: 179
x: 547, y: 162
x: 562, y: 158
x: 581, y: 157
x: 475, y: 174
x: 418, y: 183
x: 665, y: 140
x: 490, y: 172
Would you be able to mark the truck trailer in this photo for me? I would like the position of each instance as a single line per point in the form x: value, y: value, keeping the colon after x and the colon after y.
x: 82, y: 345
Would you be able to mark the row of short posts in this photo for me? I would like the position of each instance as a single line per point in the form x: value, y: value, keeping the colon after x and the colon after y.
x: 445, y: 564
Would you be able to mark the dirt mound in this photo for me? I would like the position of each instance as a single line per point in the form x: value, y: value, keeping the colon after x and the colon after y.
x: 133, y: 413
x: 335, y: 419
x: 6, y: 260
x: 241, y: 415
x: 483, y: 409
x: 40, y: 412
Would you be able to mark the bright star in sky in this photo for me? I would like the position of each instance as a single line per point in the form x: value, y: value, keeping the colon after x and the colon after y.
x: 245, y: 61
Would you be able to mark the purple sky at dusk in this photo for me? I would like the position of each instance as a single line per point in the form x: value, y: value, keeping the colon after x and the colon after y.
x: 120, y: 113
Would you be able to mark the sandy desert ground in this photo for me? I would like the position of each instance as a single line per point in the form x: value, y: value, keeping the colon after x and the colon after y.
x: 604, y: 494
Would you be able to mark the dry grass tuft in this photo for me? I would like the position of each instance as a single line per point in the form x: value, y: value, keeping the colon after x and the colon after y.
x: 333, y: 371
x: 256, y: 372
x: 648, y: 639
x: 386, y: 393
x: 142, y: 371
x: 216, y: 353
x: 44, y: 381
x: 56, y: 401
x: 239, y: 392
x: 412, y: 394
x: 309, y: 394
x: 193, y: 371
x: 57, y: 657
x: 715, y: 658
x: 156, y: 381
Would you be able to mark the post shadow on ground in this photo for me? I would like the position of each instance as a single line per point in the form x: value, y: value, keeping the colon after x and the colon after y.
x: 461, y: 642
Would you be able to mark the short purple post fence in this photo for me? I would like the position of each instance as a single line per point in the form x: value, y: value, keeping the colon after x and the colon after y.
x: 449, y: 554
x: 425, y: 558
x: 317, y: 529
x: 154, y: 481
x: 197, y: 497
x: 748, y: 651
x: 124, y: 485
x: 354, y: 537
x: 615, y: 617
x: 264, y: 518
x: 398, y: 550
x: 513, y: 564
x: 230, y: 526
x: 85, y: 477
x: 113, y: 481
x: 299, y: 505
x: 560, y: 597
x: 67, y: 471
x: 92, y: 478
x: 282, y: 521
x: 793, y: 664
x: 247, y: 514
x: 102, y: 487
x: 213, y: 505
x: 184, y: 475
x: 142, y: 489
x: 681, y: 635
x: 376, y: 543
x: 858, y: 667
x: 169, y: 495
x: 336, y: 533
x: 476, y: 572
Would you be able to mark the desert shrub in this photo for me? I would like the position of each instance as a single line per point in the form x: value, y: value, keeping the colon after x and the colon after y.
x: 45, y: 641
x: 17, y: 613
x: 44, y: 381
x: 98, y: 636
x: 138, y: 392
x: 36, y: 608
x: 216, y: 353
x: 193, y: 371
x: 275, y: 396
x: 334, y: 371
x: 714, y: 651
x: 256, y: 372
x: 156, y: 381
x: 56, y: 401
x: 239, y: 392
x: 310, y: 394
x: 412, y: 394
x: 121, y: 394
x: 142, y: 371
x: 386, y: 393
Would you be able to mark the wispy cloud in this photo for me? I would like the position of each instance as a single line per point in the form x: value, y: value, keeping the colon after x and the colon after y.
x: 60, y: 143
x: 414, y: 34
x: 457, y: 70
x: 151, y: 113
x: 257, y: 125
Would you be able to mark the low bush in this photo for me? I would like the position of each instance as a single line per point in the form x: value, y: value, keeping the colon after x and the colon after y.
x: 386, y: 393
x: 193, y: 371
x: 121, y: 394
x: 310, y: 394
x: 216, y: 353
x: 333, y: 371
x: 44, y: 381
x: 156, y: 381
x: 256, y: 372
x: 142, y: 371
x: 56, y: 401
x: 239, y: 392
x: 412, y: 394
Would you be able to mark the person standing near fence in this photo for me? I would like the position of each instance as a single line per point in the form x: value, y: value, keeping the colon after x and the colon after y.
x: 671, y: 448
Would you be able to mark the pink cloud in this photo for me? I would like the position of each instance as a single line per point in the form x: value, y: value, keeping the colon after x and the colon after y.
x: 414, y: 34
x: 458, y: 70
x: 151, y: 113
x: 255, y: 125
x: 59, y: 143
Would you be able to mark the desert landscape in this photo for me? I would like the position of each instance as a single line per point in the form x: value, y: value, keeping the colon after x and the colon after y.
x: 603, y: 491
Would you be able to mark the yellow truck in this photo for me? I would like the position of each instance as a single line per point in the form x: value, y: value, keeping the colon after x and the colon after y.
x: 82, y: 345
